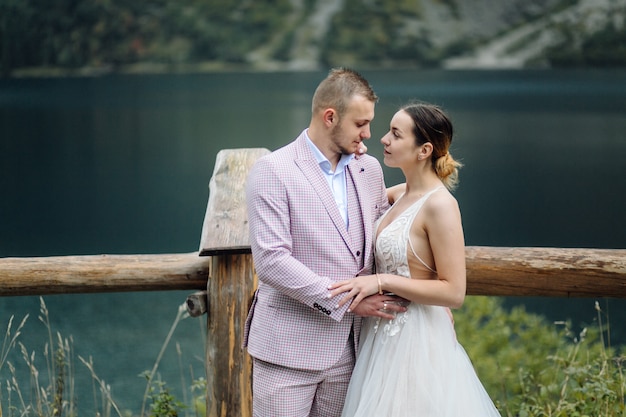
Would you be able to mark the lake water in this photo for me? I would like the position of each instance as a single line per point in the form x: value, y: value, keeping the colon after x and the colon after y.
x: 121, y: 165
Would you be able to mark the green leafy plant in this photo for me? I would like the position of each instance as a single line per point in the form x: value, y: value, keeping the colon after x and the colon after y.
x: 533, y: 368
x: 163, y: 404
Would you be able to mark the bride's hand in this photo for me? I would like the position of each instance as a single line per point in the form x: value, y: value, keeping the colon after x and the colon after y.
x: 357, y: 288
x: 361, y: 151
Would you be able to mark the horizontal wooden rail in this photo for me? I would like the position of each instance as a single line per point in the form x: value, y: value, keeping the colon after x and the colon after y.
x: 555, y: 272
x: 103, y: 273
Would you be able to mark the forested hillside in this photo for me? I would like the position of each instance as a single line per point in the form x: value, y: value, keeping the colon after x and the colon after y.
x: 87, y: 36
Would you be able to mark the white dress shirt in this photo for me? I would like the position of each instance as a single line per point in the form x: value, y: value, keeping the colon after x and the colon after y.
x: 336, y: 179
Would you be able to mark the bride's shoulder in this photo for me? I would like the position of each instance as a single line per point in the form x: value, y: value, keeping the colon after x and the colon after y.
x: 441, y: 202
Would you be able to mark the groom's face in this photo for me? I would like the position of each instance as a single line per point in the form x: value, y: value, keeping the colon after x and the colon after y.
x: 353, y: 127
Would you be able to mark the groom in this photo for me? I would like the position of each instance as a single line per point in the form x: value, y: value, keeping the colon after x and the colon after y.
x: 311, y: 208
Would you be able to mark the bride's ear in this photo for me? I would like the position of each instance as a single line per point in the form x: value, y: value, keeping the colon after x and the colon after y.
x: 426, y: 151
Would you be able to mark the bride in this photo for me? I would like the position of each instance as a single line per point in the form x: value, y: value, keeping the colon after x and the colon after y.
x: 413, y: 365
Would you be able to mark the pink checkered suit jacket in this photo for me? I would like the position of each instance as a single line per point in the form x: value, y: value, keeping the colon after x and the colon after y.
x: 300, y: 245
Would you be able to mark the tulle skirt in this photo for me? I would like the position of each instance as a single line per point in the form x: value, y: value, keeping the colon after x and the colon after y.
x: 414, y: 366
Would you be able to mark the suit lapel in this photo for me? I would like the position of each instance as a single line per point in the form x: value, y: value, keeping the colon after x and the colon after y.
x: 360, y: 183
x: 311, y: 170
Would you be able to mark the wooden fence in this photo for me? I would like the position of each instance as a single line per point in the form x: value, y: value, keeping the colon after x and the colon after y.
x: 223, y: 276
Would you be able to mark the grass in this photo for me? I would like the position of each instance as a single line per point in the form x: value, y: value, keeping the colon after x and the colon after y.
x: 52, y: 393
x: 530, y: 367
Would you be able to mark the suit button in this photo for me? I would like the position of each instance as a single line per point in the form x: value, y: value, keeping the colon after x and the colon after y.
x: 358, y: 253
x: 322, y: 309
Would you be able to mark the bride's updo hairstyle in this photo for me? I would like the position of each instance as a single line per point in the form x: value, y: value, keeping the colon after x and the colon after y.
x: 432, y: 125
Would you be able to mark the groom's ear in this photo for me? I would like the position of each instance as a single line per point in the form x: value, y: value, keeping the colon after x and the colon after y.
x: 330, y: 117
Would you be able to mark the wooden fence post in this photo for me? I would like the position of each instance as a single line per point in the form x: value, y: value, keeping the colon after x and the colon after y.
x: 230, y: 286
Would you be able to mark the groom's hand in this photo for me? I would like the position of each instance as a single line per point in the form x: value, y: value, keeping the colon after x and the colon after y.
x: 384, y: 306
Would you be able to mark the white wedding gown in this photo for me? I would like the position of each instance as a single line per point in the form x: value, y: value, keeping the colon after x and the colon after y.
x: 412, y: 365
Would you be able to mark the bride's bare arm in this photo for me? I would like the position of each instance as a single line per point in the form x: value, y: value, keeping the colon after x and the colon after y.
x: 394, y: 192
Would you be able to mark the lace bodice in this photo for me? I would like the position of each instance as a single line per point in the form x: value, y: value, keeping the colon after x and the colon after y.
x: 392, y: 242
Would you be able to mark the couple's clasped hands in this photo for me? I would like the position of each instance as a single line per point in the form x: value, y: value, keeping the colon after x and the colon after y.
x: 363, y: 295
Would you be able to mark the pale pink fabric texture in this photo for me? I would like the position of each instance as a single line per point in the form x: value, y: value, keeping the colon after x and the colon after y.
x: 300, y: 244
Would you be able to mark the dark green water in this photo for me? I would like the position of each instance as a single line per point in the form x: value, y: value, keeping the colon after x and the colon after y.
x: 121, y: 164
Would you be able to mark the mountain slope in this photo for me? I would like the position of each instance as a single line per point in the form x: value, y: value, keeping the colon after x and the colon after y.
x: 526, y: 45
x: 451, y: 34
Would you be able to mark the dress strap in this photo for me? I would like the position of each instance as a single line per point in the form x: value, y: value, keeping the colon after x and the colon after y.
x: 422, y: 201
x: 420, y: 259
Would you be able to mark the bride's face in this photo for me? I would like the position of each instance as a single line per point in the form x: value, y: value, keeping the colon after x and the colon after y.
x: 400, y: 145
